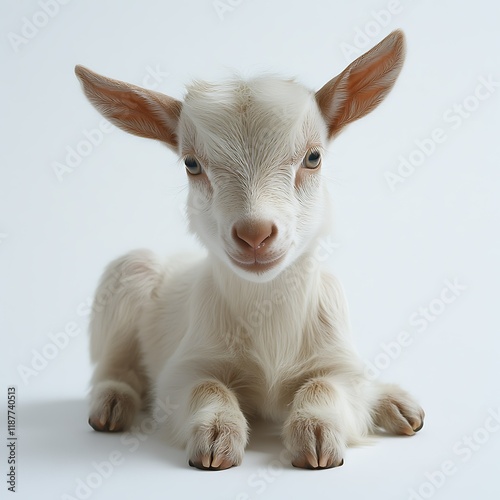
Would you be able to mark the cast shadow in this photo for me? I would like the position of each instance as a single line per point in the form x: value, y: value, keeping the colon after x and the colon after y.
x: 56, y: 430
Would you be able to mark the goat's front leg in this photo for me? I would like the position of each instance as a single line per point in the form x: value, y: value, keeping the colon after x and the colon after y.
x: 218, y: 430
x: 321, y: 423
x: 396, y: 411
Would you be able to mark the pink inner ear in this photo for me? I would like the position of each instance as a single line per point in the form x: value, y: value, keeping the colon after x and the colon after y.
x: 142, y: 115
x: 127, y: 102
x: 139, y: 111
x: 362, y: 85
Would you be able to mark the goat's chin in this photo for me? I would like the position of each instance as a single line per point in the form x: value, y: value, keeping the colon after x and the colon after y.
x: 257, y: 273
x: 256, y: 276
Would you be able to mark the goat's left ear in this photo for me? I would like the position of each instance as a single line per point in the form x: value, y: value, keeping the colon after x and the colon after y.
x: 362, y: 85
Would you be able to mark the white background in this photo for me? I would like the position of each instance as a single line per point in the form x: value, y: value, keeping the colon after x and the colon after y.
x: 396, y: 247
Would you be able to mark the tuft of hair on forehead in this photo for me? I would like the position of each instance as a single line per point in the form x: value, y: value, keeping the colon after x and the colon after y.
x: 269, y: 91
x: 262, y: 112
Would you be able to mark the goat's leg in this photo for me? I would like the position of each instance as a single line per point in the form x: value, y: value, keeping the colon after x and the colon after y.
x: 120, y: 385
x: 210, y: 423
x: 219, y: 430
x: 324, y: 419
x: 396, y: 411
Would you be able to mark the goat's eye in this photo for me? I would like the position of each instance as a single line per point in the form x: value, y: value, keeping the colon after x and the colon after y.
x: 192, y: 165
x: 312, y: 159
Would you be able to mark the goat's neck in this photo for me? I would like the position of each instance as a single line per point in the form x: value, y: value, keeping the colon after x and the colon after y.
x: 294, y: 289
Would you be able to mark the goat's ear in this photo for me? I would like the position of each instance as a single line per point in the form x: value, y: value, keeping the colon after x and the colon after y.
x: 363, y: 84
x: 134, y: 109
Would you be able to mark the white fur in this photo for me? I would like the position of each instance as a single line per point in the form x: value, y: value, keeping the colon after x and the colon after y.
x: 223, y: 343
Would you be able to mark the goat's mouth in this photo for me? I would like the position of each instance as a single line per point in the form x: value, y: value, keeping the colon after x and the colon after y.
x: 257, y: 265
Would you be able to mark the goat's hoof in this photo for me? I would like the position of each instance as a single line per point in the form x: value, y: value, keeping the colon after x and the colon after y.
x: 114, y: 406
x: 219, y: 445
x: 313, y: 462
x: 398, y: 413
x: 314, y: 444
x: 211, y: 463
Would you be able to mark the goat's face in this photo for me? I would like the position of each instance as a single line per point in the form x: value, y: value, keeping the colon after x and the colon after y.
x: 252, y: 152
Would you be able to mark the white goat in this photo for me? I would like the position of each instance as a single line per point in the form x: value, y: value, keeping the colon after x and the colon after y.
x: 253, y: 151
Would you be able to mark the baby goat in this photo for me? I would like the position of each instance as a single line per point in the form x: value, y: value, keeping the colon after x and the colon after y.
x: 253, y: 152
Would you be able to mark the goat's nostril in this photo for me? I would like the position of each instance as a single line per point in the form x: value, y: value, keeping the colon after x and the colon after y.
x: 253, y: 234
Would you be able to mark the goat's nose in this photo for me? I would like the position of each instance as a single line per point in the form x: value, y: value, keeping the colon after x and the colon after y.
x: 254, y: 234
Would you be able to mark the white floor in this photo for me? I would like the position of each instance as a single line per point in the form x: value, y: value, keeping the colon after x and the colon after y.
x: 64, y: 215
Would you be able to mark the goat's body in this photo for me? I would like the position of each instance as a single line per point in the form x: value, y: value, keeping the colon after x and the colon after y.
x: 194, y: 319
x: 256, y: 328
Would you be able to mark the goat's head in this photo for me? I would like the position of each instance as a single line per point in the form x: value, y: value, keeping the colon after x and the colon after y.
x: 253, y: 151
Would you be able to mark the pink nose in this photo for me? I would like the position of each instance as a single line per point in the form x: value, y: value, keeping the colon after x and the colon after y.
x: 254, y: 235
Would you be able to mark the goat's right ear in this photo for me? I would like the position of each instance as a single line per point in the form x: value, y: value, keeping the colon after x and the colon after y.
x: 363, y: 84
x: 136, y: 110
